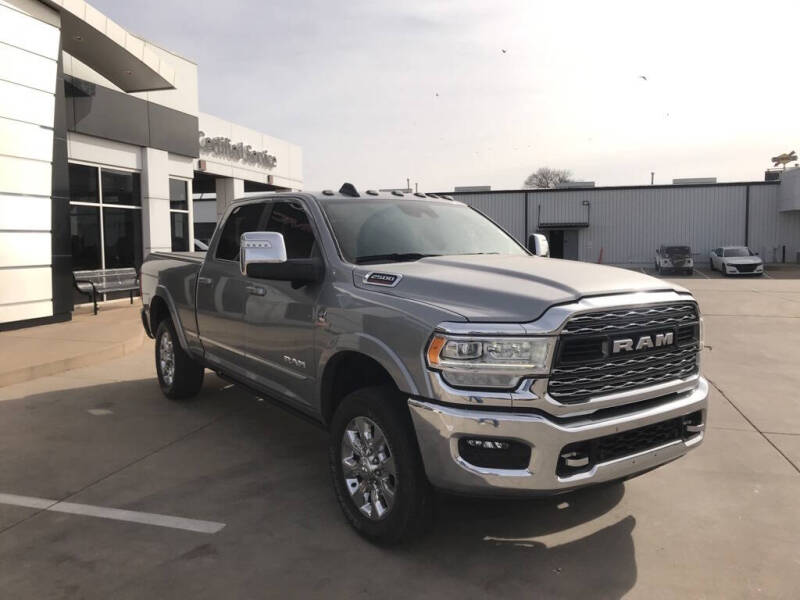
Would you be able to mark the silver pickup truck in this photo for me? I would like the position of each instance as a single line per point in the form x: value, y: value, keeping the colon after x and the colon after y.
x: 437, y: 351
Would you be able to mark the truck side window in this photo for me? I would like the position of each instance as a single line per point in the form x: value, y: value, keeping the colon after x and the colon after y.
x: 242, y: 220
x: 291, y: 220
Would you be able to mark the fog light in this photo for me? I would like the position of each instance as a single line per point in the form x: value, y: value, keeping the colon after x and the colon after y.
x: 494, y: 453
x: 488, y: 444
x: 693, y: 424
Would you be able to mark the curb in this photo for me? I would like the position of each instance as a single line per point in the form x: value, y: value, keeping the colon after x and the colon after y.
x: 104, y: 353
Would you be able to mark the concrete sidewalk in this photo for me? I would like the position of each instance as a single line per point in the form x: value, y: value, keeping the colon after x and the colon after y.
x: 88, y: 339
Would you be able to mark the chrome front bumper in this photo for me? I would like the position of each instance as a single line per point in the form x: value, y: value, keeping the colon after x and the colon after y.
x: 439, y: 429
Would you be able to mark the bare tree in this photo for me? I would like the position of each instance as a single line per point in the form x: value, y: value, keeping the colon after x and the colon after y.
x: 545, y: 177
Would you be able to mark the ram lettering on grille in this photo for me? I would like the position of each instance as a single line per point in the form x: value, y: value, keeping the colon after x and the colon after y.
x: 618, y: 350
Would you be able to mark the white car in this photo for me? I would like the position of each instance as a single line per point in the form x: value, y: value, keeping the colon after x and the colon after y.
x: 736, y: 260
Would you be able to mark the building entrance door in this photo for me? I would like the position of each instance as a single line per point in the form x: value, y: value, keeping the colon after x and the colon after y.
x: 563, y: 243
x: 571, y: 244
x: 556, y: 239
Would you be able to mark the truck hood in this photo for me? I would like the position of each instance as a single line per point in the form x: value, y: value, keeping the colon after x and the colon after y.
x: 502, y: 288
x: 743, y: 260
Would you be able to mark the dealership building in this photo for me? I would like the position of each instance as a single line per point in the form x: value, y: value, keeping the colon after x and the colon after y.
x: 623, y: 225
x: 105, y: 155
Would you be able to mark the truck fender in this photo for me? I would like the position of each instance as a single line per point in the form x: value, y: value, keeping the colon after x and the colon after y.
x: 373, y: 348
x: 163, y: 293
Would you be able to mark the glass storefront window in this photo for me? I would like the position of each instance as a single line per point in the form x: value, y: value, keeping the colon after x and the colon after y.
x: 179, y: 222
x: 122, y: 237
x: 84, y: 228
x: 178, y: 196
x: 179, y: 214
x: 120, y: 187
x: 83, y: 183
x: 104, y: 235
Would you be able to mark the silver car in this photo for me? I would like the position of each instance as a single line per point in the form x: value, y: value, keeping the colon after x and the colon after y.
x: 736, y: 260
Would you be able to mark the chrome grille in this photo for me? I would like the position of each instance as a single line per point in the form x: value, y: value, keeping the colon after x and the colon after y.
x: 584, y: 369
x: 632, y: 318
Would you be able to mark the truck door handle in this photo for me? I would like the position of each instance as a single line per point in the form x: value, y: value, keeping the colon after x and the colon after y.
x: 204, y: 280
x: 256, y: 290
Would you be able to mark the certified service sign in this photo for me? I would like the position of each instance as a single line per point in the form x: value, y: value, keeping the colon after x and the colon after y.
x: 238, y: 152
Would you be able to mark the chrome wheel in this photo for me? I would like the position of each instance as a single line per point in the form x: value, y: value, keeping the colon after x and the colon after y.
x: 368, y: 467
x: 166, y: 358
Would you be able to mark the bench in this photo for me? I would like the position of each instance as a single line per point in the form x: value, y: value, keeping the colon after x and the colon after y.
x: 102, y: 281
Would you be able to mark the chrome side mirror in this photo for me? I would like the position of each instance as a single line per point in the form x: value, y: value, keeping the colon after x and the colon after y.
x: 538, y: 244
x: 261, y: 247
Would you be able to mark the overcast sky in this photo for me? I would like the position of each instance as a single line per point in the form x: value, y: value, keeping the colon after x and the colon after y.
x: 376, y: 91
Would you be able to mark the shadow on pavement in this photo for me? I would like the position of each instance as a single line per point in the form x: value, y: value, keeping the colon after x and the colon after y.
x: 264, y: 473
x: 492, y: 544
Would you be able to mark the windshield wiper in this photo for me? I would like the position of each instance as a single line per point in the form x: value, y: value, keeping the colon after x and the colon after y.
x: 393, y: 257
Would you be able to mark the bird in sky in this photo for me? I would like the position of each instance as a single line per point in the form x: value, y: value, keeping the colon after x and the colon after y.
x: 642, y: 77
x: 503, y: 50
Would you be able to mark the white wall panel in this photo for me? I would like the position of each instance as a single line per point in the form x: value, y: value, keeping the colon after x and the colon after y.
x: 25, y: 140
x: 23, y: 176
x: 105, y: 152
x: 181, y: 166
x: 26, y: 68
x: 25, y: 285
x: 28, y: 213
x: 26, y: 104
x: 25, y: 248
x: 29, y: 33
x: 36, y: 9
x: 28, y: 310
x: 156, y: 224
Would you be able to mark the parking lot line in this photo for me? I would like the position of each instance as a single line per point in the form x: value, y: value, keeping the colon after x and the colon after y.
x: 115, y: 514
x: 701, y: 273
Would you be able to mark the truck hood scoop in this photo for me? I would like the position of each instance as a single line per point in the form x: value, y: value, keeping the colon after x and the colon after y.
x: 504, y: 288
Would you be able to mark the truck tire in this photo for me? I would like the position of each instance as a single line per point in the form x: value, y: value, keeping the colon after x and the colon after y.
x: 179, y: 376
x: 376, y: 467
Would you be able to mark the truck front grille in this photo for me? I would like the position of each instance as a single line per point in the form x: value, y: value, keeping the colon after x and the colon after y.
x: 586, y: 366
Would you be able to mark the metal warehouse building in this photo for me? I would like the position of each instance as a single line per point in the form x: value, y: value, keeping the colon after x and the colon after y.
x: 624, y: 225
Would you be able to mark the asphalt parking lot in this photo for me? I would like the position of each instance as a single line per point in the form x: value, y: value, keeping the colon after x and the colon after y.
x: 107, y: 490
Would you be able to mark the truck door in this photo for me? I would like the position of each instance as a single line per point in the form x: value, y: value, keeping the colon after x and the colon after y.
x: 222, y: 293
x: 280, y: 316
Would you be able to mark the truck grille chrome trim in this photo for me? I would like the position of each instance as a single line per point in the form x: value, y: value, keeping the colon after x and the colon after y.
x: 633, y: 318
x: 584, y: 368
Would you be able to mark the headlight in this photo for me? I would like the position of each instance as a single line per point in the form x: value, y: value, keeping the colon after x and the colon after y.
x: 483, y: 362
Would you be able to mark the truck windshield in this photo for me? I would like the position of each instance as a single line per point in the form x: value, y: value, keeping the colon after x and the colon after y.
x: 392, y: 231
x: 677, y: 250
x: 736, y: 252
